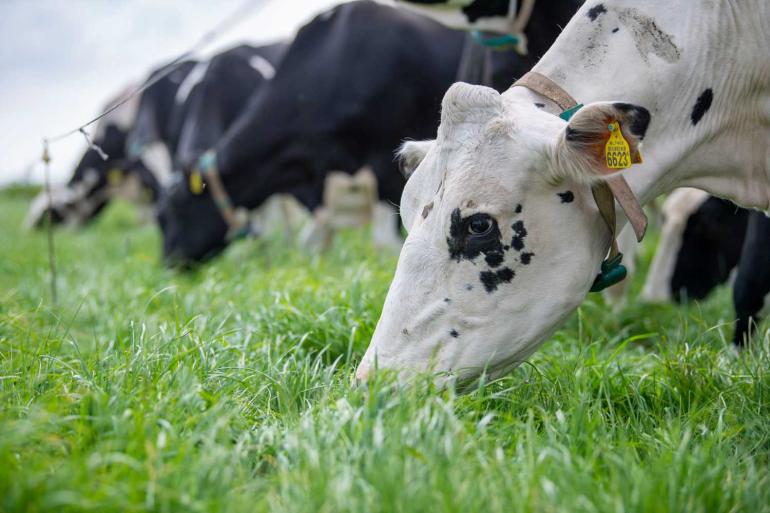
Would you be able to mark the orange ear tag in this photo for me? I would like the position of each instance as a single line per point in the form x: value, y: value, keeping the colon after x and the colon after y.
x: 617, y: 152
x: 196, y: 183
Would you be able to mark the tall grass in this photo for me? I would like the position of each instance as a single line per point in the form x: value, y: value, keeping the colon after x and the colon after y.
x: 229, y: 389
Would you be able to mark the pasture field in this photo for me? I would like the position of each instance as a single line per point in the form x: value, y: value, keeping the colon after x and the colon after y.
x: 229, y: 389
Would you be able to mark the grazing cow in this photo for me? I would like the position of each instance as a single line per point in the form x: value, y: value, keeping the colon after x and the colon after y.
x: 340, y: 101
x: 165, y: 129
x: 97, y: 179
x: 510, y: 211
x: 215, y: 94
x: 704, y: 240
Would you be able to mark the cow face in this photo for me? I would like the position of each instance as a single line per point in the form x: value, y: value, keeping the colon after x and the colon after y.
x: 192, y: 227
x: 701, y: 241
x: 504, y: 237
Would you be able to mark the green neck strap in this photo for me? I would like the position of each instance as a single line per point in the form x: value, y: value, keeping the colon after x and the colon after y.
x: 504, y: 42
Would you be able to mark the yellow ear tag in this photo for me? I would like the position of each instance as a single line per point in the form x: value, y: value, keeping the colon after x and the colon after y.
x: 114, y: 176
x: 617, y: 153
x: 196, y: 183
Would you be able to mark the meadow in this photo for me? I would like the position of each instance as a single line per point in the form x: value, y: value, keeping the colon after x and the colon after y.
x: 229, y: 389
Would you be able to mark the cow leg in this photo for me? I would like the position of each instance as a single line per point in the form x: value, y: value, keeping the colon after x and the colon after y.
x: 318, y: 234
x: 386, y: 223
x: 385, y: 227
x: 752, y: 284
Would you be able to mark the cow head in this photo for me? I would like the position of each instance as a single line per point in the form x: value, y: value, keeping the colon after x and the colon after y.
x: 192, y: 226
x: 700, y: 244
x: 504, y: 237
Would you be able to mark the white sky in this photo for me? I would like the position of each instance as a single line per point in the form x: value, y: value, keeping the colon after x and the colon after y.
x: 60, y: 60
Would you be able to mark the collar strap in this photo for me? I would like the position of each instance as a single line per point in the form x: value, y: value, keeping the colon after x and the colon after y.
x: 605, y: 192
x: 544, y: 86
x: 237, y: 219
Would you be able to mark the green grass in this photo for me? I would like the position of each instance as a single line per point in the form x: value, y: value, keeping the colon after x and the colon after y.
x: 228, y: 389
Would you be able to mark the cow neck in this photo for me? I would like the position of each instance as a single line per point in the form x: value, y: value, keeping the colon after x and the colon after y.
x: 605, y: 193
x: 237, y: 218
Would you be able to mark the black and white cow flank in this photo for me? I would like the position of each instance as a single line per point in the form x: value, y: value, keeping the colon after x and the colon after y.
x: 357, y: 80
x: 705, y: 241
x: 225, y: 85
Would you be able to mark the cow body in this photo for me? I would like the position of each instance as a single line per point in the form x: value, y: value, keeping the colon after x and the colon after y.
x: 341, y: 100
x: 214, y: 101
x: 505, y: 237
x: 706, y: 240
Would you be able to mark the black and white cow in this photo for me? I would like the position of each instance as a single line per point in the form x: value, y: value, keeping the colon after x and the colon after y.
x: 510, y: 211
x: 222, y: 87
x: 355, y: 82
x: 704, y: 241
x: 95, y: 179
x: 164, y: 130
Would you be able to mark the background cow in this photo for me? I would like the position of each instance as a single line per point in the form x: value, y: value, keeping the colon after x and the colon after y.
x: 342, y: 99
x: 97, y: 179
x: 162, y: 131
x: 704, y: 241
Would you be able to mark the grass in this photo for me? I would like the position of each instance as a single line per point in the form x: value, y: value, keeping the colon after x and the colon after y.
x: 228, y: 389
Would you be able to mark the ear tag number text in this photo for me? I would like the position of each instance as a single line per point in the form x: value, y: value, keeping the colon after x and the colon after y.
x: 617, y: 153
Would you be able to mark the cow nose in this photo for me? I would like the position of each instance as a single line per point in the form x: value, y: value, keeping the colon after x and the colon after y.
x: 362, y: 373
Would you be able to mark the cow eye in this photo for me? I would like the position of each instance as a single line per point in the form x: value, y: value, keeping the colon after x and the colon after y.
x: 480, y: 224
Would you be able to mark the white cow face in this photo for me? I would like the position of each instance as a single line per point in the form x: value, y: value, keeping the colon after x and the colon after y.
x: 504, y: 238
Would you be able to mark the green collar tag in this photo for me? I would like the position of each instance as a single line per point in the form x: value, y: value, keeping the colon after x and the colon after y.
x: 504, y: 42
x: 567, y: 114
x: 207, y: 162
x: 612, y: 272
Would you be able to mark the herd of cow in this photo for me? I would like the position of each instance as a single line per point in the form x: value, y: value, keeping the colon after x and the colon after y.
x: 504, y: 213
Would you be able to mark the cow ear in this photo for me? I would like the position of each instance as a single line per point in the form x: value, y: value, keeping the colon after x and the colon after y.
x: 410, y: 154
x: 582, y: 149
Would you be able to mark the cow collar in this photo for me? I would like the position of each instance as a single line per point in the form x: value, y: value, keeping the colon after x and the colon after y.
x: 605, y: 193
x: 237, y: 218
x: 515, y: 39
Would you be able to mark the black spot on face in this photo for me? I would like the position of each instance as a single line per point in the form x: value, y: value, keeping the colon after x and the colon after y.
x: 454, y: 333
x: 491, y: 279
x: 702, y: 105
x: 468, y: 286
x: 405, y: 331
x: 639, y: 118
x: 526, y: 258
x: 566, y: 197
x: 426, y: 210
x: 540, y: 105
x: 471, y: 236
x: 447, y: 300
x: 615, y: 30
x: 596, y: 11
x: 519, y: 234
x: 518, y: 209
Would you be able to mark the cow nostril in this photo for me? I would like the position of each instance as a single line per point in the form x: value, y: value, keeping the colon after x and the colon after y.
x: 362, y: 373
